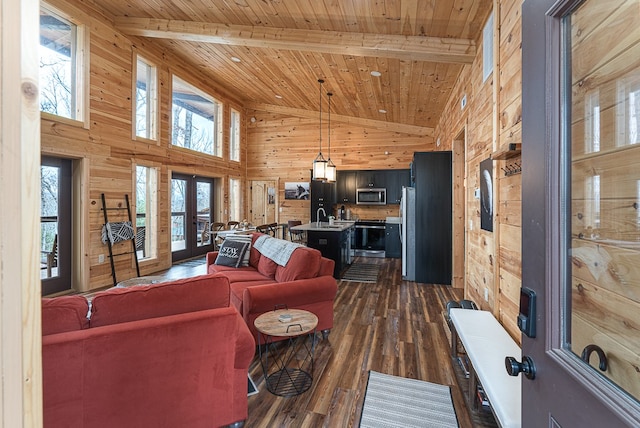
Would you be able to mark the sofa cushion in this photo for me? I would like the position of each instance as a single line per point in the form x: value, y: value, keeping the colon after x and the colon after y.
x: 254, y: 255
x: 304, y: 263
x: 237, y: 291
x: 244, y: 275
x: 231, y: 253
x: 118, y: 305
x: 219, y: 268
x: 65, y: 313
x: 267, y: 267
x: 242, y: 238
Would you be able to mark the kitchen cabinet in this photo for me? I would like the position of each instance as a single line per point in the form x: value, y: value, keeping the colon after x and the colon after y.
x: 371, y: 178
x: 392, y: 245
x: 395, y: 180
x: 322, y: 196
x: 346, y: 187
x: 334, y: 245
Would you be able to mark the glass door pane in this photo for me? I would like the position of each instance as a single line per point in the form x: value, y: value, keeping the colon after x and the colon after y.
x: 55, y: 225
x: 203, y: 203
x: 178, y: 214
x: 601, y: 63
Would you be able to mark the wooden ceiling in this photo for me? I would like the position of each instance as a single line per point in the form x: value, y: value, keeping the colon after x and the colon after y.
x: 284, y: 47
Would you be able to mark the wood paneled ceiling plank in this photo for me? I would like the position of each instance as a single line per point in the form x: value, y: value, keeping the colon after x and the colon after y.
x: 369, y: 123
x: 409, y: 17
x: 361, y: 44
x: 459, y: 16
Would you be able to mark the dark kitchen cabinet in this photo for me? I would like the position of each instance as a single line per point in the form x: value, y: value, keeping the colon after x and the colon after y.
x: 371, y: 178
x: 346, y: 187
x: 396, y: 179
x: 392, y: 244
x: 322, y: 196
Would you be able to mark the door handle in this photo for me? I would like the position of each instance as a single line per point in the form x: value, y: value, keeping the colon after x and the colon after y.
x: 586, y: 354
x: 514, y: 368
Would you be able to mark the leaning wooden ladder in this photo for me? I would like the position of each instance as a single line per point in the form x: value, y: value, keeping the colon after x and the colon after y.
x: 133, y: 251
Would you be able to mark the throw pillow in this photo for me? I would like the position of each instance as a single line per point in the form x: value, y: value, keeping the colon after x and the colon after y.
x: 242, y: 238
x: 231, y: 253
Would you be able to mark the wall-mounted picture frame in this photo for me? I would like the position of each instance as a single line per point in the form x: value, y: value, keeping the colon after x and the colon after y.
x: 297, y: 190
x: 486, y: 195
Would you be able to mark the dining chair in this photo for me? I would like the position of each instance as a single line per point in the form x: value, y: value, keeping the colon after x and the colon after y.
x: 50, y: 258
x: 232, y: 224
x: 297, y: 236
x: 217, y: 240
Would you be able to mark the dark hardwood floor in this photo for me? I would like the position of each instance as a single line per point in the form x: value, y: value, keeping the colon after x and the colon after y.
x: 392, y: 326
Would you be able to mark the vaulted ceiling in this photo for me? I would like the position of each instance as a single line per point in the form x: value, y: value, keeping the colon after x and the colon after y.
x: 271, y: 53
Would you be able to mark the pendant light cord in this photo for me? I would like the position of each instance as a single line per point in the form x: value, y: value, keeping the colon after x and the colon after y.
x: 321, y: 82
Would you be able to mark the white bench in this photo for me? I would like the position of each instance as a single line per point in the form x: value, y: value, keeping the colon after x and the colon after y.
x: 487, y: 344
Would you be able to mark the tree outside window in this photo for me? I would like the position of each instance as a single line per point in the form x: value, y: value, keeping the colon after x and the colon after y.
x: 197, y: 119
x: 234, y: 136
x: 60, y: 61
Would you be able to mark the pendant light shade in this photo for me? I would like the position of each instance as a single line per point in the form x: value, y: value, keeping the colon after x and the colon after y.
x: 319, y: 163
x: 330, y: 168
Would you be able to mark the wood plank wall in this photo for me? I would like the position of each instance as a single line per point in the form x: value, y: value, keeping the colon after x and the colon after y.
x: 282, y: 148
x: 20, y: 323
x: 105, y: 153
x: 493, y: 259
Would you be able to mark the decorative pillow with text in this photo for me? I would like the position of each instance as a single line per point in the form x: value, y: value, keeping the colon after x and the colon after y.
x: 242, y: 238
x: 231, y: 253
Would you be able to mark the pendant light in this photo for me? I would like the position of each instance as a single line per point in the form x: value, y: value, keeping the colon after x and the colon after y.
x: 319, y: 163
x: 330, y: 168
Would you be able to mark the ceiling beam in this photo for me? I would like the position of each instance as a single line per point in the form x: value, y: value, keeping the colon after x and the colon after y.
x: 414, y: 48
x: 422, y: 131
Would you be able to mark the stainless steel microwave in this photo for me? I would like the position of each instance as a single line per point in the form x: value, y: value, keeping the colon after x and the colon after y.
x: 371, y: 196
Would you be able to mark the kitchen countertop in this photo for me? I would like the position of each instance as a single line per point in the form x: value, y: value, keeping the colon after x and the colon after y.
x: 338, y: 226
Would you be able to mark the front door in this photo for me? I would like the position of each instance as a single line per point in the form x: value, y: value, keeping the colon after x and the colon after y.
x: 581, y: 211
x: 192, y: 211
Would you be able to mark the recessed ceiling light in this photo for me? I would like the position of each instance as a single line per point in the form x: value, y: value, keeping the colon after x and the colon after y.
x: 382, y: 110
x: 235, y: 59
x: 279, y: 96
x: 375, y: 73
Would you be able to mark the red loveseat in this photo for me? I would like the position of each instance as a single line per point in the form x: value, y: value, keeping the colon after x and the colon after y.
x: 164, y: 355
x: 306, y: 282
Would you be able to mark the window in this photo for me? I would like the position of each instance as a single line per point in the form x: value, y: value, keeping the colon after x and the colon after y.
x: 197, y: 119
x: 235, y: 199
x: 60, y: 65
x: 628, y: 110
x: 592, y: 122
x: 487, y: 48
x: 146, y: 211
x: 146, y: 99
x: 234, y: 136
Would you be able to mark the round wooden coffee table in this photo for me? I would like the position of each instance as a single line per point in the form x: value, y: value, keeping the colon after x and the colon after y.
x: 285, y: 353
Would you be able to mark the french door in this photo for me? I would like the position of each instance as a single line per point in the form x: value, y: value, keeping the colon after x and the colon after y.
x: 581, y: 221
x: 192, y: 208
x: 55, y: 225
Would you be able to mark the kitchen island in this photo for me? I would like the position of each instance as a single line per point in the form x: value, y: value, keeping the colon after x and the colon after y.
x: 332, y: 240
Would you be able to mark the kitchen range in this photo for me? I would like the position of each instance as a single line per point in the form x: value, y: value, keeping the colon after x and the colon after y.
x: 369, y: 238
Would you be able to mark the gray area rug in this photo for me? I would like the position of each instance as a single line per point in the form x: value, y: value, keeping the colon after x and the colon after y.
x: 361, y: 272
x: 392, y: 401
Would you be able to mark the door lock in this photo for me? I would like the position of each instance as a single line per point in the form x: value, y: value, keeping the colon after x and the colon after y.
x: 526, y: 366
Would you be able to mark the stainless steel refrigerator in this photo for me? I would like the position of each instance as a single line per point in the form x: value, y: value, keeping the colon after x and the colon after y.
x: 408, y: 233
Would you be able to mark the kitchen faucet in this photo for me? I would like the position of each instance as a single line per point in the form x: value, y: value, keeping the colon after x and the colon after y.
x: 318, y: 216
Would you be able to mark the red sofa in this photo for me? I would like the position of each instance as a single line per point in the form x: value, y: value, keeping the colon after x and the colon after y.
x: 164, y: 355
x: 306, y: 282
